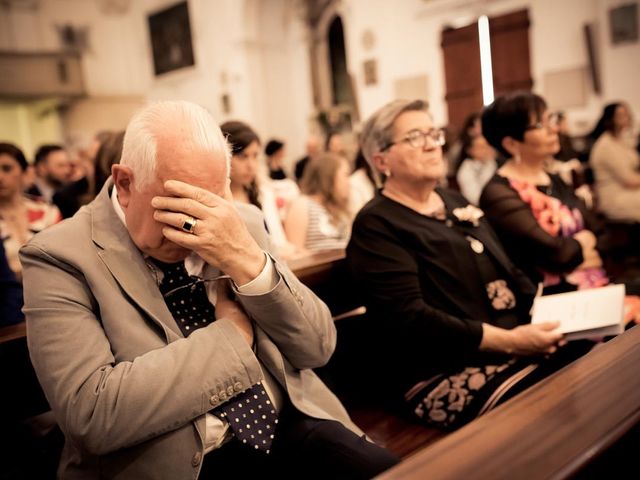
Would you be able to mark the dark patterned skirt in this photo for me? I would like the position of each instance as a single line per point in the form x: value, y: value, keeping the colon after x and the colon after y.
x: 451, y: 400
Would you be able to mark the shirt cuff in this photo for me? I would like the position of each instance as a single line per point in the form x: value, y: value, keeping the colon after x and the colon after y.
x: 266, y: 280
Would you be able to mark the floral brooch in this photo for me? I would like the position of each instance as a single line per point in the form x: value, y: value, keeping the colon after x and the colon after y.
x: 469, y: 214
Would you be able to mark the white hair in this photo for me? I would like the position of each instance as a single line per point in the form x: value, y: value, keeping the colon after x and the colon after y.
x: 139, y: 151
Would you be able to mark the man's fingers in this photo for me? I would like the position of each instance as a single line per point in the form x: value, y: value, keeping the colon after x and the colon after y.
x: 184, y: 239
x: 176, y: 220
x: 177, y: 188
x: 181, y: 205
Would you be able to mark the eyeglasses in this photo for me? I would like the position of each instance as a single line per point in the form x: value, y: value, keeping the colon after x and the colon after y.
x: 551, y: 122
x: 194, y: 284
x: 418, y: 138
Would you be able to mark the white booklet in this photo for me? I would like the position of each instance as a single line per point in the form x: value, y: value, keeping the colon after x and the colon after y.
x: 590, y: 313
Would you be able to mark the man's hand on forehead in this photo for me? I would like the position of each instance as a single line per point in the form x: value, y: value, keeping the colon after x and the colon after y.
x: 209, y: 225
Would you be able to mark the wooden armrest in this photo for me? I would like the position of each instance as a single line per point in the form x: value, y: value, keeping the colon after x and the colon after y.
x: 550, y: 430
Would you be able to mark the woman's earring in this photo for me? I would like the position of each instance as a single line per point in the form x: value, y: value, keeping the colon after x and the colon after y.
x: 516, y: 158
x: 387, y: 173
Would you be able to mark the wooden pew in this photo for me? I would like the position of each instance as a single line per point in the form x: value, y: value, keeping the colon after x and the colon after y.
x: 316, y: 268
x: 326, y: 274
x: 13, y: 332
x: 555, y: 429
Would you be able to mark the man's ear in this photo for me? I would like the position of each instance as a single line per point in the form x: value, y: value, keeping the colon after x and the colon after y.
x: 511, y: 145
x: 123, y: 181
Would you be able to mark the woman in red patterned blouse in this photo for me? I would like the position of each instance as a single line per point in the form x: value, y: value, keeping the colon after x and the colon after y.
x: 543, y: 225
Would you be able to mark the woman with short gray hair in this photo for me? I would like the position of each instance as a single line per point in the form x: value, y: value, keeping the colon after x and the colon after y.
x: 448, y: 309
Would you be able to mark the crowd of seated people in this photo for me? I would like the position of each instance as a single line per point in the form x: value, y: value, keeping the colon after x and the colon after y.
x: 81, y: 187
x: 21, y: 215
x: 448, y: 278
x: 30, y: 206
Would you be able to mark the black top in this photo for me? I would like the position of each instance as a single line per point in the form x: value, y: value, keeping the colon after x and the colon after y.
x: 426, y: 288
x: 67, y: 198
x: 529, y: 245
x: 300, y: 166
x: 277, y: 174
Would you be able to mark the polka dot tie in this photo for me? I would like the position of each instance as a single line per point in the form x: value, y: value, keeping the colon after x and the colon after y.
x: 186, y: 298
x: 251, y: 415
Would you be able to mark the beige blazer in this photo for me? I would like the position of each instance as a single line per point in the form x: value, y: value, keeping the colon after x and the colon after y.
x: 128, y: 391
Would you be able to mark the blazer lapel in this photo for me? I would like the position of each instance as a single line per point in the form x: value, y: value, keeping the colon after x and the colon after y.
x: 127, y: 265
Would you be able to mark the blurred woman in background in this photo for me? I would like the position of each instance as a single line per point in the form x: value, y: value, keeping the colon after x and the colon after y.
x: 362, y: 184
x: 21, y: 216
x: 477, y: 164
x: 247, y: 186
x: 616, y: 165
x: 320, y: 218
x: 108, y: 154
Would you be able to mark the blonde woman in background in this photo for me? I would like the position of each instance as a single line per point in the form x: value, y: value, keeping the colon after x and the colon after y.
x: 320, y: 218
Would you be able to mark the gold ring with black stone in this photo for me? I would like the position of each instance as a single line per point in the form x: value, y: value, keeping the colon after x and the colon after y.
x: 189, y: 225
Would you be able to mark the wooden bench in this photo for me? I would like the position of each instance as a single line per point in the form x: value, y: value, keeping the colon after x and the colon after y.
x: 326, y: 274
x: 553, y: 430
x: 9, y: 333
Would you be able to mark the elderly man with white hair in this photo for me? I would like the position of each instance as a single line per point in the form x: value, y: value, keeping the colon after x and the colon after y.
x: 168, y: 341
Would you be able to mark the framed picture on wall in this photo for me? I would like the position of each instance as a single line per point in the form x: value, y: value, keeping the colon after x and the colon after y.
x: 370, y: 68
x: 623, y: 21
x: 171, y: 39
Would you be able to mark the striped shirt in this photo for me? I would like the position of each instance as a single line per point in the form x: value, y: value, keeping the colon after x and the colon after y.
x: 321, y: 233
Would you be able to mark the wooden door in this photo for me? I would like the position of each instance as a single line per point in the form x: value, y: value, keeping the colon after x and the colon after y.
x: 509, y: 57
x: 510, y: 52
x: 463, y: 82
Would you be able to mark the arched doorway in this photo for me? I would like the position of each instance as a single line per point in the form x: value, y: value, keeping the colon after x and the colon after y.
x: 340, y: 80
